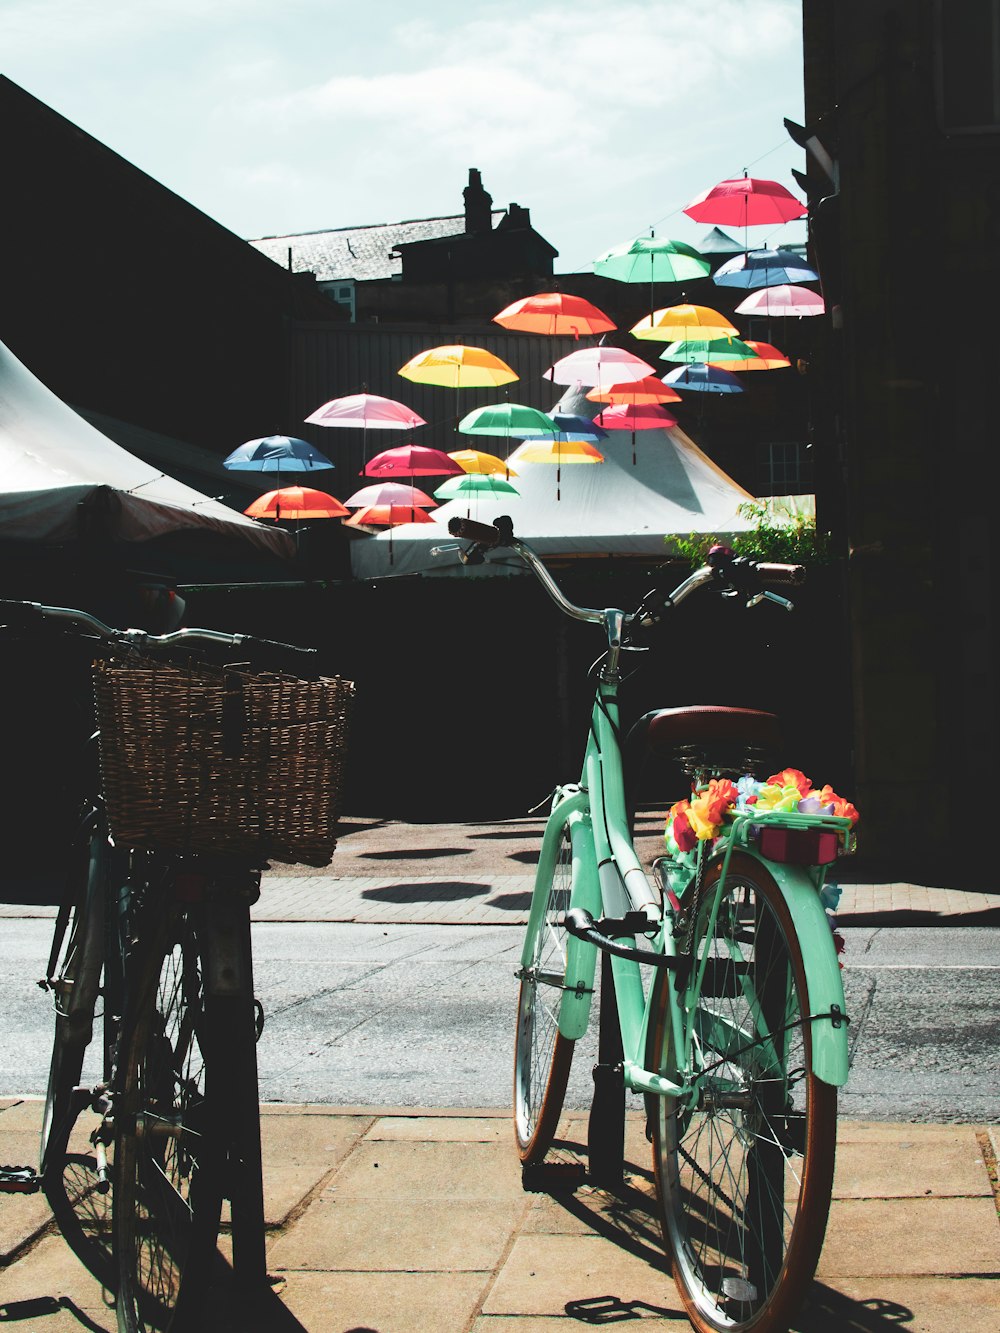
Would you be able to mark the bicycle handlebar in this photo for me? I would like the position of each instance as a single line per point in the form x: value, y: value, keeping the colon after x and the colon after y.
x: 82, y: 621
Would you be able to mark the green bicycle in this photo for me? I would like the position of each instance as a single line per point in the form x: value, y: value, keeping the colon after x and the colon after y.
x: 739, y: 1042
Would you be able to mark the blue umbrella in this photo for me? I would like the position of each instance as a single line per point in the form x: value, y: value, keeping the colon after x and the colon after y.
x: 703, y: 379
x: 276, y: 453
x: 573, y: 427
x: 764, y: 268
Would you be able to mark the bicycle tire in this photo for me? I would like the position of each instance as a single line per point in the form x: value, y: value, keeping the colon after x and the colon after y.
x: 743, y: 1180
x: 76, y: 1193
x: 167, y: 1193
x: 542, y: 1055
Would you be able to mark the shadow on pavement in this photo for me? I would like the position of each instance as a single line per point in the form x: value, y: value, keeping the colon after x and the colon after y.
x: 829, y: 1311
x: 511, y: 902
x: 449, y: 891
x: 413, y: 853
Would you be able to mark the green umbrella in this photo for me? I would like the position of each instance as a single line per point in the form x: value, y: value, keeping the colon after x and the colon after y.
x: 651, y: 259
x: 713, y: 351
x: 474, y: 483
x: 508, y: 419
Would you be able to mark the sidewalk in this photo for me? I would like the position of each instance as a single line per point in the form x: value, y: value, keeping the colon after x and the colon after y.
x: 404, y: 1220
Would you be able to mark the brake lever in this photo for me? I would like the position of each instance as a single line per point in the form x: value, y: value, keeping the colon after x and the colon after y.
x: 767, y: 595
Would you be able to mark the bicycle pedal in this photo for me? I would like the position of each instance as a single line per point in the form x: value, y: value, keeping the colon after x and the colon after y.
x: 552, y: 1177
x: 19, y: 1180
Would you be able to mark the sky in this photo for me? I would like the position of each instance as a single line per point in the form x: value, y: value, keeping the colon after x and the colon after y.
x: 283, y: 116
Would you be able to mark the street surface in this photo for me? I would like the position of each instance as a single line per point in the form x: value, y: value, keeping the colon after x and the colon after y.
x: 423, y: 1015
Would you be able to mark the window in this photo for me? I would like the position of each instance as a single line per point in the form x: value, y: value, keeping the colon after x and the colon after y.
x: 967, y: 56
x: 782, y: 467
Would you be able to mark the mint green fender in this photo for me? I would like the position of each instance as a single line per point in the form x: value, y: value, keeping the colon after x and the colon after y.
x: 824, y: 983
x: 581, y: 958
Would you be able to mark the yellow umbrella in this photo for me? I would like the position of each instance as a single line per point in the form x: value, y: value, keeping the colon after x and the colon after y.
x: 458, y: 367
x: 475, y: 460
x: 557, y: 452
x: 678, y: 322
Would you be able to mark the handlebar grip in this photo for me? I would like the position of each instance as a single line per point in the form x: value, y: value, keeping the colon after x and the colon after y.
x: 482, y: 533
x: 788, y: 574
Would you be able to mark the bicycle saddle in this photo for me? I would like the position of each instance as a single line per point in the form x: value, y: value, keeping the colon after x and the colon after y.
x: 733, y: 740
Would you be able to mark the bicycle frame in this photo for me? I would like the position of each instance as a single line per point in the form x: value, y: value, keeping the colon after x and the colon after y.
x: 608, y: 877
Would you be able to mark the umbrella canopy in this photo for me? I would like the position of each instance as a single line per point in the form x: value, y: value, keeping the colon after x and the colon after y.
x: 387, y: 516
x: 475, y: 460
x: 746, y: 202
x: 597, y: 365
x: 276, y: 453
x: 389, y: 493
x: 474, y: 483
x: 573, y: 427
x: 704, y: 379
x: 296, y: 502
x: 782, y: 300
x: 556, y: 451
x: 458, y: 367
x: 366, y: 411
x: 647, y: 390
x: 651, y: 259
x: 507, y: 419
x: 765, y: 357
x: 684, y: 321
x: 637, y: 416
x: 712, y: 350
x: 554, y: 313
x: 411, y: 460
x: 764, y: 268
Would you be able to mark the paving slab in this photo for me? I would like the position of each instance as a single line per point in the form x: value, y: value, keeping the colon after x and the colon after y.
x: 896, y: 1237
x: 386, y: 1302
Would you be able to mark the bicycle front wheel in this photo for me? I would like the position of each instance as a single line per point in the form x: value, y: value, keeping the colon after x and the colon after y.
x: 542, y: 1055
x: 745, y: 1172
x: 167, y: 1181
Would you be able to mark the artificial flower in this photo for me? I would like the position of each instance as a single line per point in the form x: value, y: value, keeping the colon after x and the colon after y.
x: 791, y: 777
x: 838, y: 805
x: 679, y: 832
x: 778, y: 798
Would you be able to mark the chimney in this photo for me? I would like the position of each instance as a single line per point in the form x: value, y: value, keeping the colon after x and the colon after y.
x: 478, y: 204
x: 515, y: 218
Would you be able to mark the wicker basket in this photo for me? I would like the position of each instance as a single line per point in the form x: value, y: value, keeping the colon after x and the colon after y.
x: 199, y: 759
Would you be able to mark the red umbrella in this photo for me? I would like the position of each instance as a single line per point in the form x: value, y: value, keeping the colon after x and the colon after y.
x: 554, y: 313
x: 412, y: 460
x: 746, y: 202
x: 638, y: 416
x: 296, y: 502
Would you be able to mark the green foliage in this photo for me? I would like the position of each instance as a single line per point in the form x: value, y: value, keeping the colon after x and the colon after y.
x: 787, y: 540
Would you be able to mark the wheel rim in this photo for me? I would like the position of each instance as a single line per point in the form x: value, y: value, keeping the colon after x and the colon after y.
x: 733, y: 1166
x: 164, y: 1107
x: 540, y: 998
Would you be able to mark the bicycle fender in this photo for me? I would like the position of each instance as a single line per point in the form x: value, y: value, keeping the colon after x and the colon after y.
x: 824, y: 984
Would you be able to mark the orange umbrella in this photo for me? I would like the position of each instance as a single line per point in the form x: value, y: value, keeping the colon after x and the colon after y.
x: 767, y: 358
x: 387, y: 516
x: 647, y: 390
x: 677, y: 322
x: 554, y: 313
x: 296, y: 502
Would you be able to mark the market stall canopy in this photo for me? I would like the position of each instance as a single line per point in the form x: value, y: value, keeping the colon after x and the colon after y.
x: 54, y: 465
x: 615, y: 509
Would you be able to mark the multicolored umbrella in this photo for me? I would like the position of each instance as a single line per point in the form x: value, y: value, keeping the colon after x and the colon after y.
x: 782, y: 300
x: 411, y: 460
x: 651, y: 259
x: 764, y: 268
x: 704, y: 379
x: 555, y: 313
x: 765, y: 357
x: 684, y: 321
x: 458, y: 367
x: 389, y: 493
x: 715, y: 351
x: 746, y: 202
x: 276, y: 453
x: 475, y: 460
x: 556, y: 452
x: 474, y: 483
x: 296, y: 502
x: 597, y: 365
x: 366, y: 411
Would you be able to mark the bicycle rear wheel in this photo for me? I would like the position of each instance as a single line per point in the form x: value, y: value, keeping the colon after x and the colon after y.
x: 744, y: 1176
x: 76, y: 1188
x: 542, y: 1055
x: 167, y: 1172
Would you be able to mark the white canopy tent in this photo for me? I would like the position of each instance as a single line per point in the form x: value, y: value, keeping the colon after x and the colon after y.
x: 612, y: 508
x: 53, y: 462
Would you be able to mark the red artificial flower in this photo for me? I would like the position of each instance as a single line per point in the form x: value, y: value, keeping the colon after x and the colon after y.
x: 842, y: 807
x: 791, y: 777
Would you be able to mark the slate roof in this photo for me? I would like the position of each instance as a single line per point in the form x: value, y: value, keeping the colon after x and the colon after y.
x: 362, y: 253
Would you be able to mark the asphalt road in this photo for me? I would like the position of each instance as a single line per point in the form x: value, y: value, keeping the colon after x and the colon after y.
x: 424, y: 1016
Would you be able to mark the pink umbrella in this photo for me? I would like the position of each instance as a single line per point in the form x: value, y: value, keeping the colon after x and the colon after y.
x: 389, y: 493
x: 746, y: 202
x: 598, y: 365
x: 636, y: 416
x: 367, y: 411
x: 784, y: 300
x: 412, y: 460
